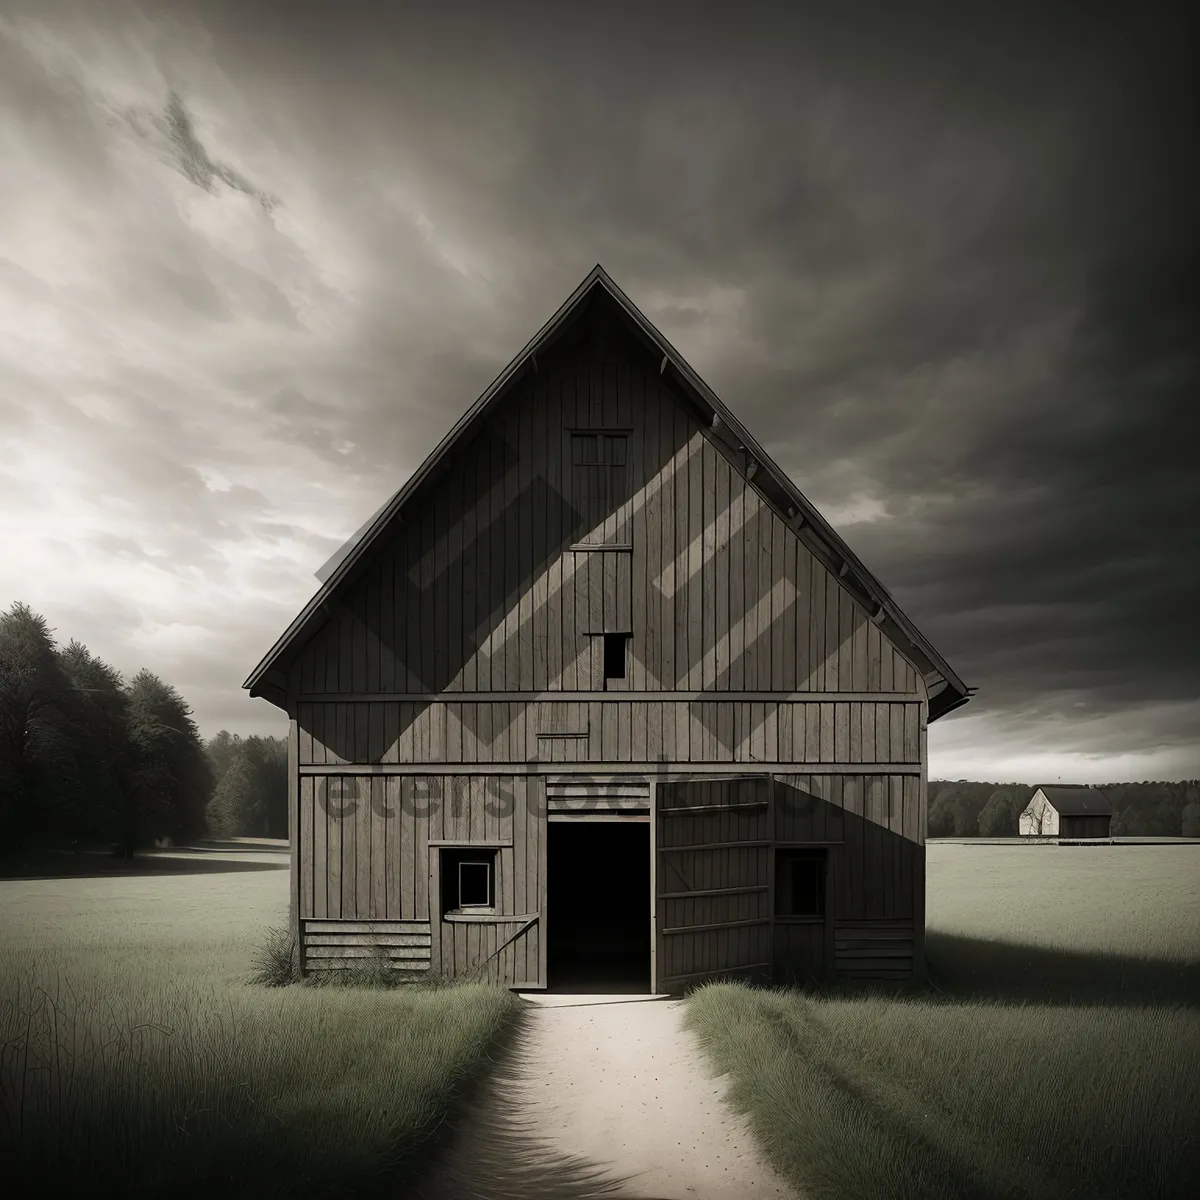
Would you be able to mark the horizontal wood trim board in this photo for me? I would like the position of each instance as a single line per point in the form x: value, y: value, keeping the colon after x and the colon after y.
x: 711, y: 846
x: 687, y: 770
x: 572, y: 818
x: 549, y: 737
x: 625, y: 696
x: 489, y: 918
x: 358, y: 939
x: 559, y: 788
x: 850, y: 937
x: 480, y: 843
x: 633, y: 796
x: 700, y: 809
x: 392, y: 954
x: 726, y: 891
x: 348, y: 925
x: 715, y: 925
x: 666, y: 979
x: 614, y: 547
x: 558, y: 803
x: 737, y: 770
x: 844, y: 954
x: 331, y: 964
x: 601, y: 804
x: 786, y: 845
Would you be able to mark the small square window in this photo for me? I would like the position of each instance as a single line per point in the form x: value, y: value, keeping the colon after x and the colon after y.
x: 468, y: 879
x: 800, y: 883
x: 615, y: 655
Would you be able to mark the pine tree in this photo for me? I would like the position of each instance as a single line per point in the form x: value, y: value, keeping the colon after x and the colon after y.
x: 231, y: 812
x: 41, y: 789
x: 100, y: 707
x: 172, y: 777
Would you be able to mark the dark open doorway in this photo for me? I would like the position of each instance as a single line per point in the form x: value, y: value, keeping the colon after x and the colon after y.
x: 598, y: 906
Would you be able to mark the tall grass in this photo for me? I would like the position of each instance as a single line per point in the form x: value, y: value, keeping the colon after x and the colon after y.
x: 1053, y: 1062
x: 909, y: 1098
x: 192, y: 1087
x: 137, y: 1059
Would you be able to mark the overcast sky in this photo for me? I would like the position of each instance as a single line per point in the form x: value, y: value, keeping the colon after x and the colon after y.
x: 257, y: 258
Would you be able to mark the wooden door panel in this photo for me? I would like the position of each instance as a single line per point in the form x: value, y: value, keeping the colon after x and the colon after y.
x: 712, y: 880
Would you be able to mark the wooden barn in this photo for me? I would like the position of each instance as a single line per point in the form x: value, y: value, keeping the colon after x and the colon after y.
x: 1067, y: 811
x: 599, y: 698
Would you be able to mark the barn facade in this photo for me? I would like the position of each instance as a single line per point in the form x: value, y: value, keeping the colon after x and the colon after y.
x: 1066, y: 811
x: 599, y: 697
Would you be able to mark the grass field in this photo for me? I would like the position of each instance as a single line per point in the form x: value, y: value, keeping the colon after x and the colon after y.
x: 1061, y: 1057
x: 136, y: 1060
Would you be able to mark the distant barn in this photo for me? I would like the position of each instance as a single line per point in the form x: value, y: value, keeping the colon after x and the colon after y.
x: 599, y: 692
x: 1067, y: 811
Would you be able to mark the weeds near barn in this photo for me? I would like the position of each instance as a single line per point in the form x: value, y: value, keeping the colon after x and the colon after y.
x: 277, y: 959
x: 1043, y: 1067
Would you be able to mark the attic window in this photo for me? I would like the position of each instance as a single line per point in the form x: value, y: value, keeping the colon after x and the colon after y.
x: 598, y: 480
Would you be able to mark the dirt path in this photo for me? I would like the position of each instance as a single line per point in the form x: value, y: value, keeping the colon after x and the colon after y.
x: 603, y: 1089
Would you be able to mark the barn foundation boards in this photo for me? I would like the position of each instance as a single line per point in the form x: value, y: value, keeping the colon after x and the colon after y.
x: 599, y: 691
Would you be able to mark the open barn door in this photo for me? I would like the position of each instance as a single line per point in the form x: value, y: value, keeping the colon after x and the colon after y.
x: 712, y: 880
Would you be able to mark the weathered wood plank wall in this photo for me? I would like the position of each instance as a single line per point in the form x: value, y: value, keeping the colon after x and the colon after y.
x: 713, y: 879
x: 368, y: 852
x: 594, y: 502
x: 480, y: 590
x: 609, y: 730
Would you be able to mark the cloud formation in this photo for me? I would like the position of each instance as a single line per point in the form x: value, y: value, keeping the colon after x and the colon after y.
x: 255, y: 261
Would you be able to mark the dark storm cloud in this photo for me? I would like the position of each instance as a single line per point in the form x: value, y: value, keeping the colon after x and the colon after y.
x: 944, y: 266
x: 964, y: 272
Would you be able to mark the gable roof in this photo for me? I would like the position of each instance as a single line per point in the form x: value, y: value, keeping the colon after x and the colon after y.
x: 946, y: 690
x: 1076, y: 800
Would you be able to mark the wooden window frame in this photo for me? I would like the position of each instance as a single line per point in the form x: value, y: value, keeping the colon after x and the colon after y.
x: 451, y: 860
x: 597, y: 483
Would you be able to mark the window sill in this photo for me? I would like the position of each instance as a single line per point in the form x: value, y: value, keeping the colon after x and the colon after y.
x: 491, y: 918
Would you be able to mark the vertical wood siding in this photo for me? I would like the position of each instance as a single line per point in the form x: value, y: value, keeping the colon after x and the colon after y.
x: 477, y: 588
x: 712, y: 881
x: 593, y: 502
x: 365, y: 856
x: 609, y: 730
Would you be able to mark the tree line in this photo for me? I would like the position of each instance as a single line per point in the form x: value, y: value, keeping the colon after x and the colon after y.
x: 1147, y: 809
x: 87, y: 757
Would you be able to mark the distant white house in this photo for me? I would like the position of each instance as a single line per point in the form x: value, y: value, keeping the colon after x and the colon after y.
x: 1067, y: 810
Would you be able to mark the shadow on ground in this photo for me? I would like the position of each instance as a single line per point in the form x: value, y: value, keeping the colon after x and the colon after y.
x: 965, y: 968
x: 67, y: 864
x: 487, y: 1149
